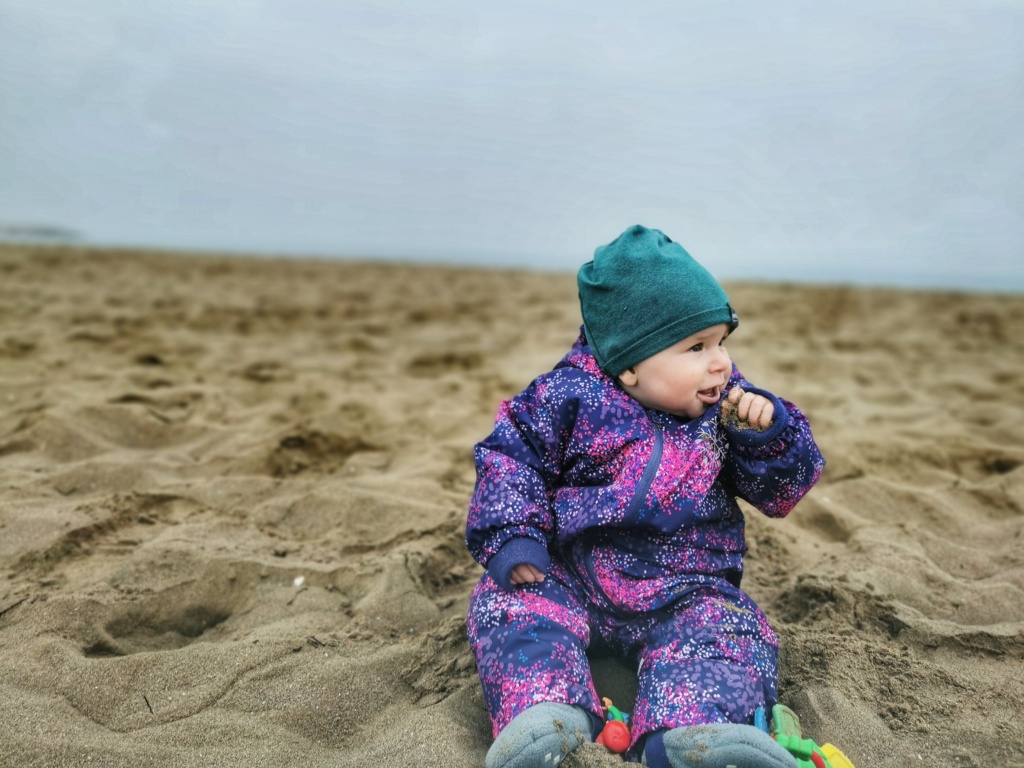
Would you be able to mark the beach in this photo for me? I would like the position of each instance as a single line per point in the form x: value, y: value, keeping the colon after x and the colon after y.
x: 233, y: 495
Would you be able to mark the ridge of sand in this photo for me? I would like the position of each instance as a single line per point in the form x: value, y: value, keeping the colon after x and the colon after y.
x: 232, y: 495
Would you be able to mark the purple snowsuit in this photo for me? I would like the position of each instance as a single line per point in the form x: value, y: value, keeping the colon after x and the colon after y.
x: 631, y: 513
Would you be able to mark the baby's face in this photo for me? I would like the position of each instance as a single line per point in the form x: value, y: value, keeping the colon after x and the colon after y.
x: 685, y: 379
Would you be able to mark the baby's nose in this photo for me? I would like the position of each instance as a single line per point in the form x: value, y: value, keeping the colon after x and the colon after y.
x: 721, y: 361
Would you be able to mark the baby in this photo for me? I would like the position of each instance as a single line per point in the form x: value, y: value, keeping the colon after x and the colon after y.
x: 605, y: 510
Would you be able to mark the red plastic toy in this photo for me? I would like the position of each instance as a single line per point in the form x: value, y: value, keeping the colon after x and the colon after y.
x: 615, y: 734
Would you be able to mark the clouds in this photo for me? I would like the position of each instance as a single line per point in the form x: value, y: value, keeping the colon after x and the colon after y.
x: 800, y: 140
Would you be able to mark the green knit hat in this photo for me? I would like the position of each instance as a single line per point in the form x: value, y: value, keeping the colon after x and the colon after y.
x: 643, y: 293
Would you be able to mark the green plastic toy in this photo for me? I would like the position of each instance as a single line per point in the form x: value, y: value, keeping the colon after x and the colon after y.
x: 785, y: 729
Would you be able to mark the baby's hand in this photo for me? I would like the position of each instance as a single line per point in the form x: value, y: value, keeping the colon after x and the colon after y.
x: 756, y: 411
x: 524, y: 573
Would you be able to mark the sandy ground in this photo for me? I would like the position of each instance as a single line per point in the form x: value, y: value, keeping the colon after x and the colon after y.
x: 232, y: 497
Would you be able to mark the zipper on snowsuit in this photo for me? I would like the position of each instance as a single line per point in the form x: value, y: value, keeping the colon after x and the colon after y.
x: 643, y: 487
x: 650, y: 471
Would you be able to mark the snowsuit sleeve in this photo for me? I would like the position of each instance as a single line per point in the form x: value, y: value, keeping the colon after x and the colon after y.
x: 775, y: 468
x: 510, y: 519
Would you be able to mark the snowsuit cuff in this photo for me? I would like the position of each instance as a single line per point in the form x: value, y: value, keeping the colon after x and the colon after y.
x: 515, y: 552
x: 751, y: 437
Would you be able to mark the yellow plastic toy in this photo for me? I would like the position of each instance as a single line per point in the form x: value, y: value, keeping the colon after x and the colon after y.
x: 836, y: 758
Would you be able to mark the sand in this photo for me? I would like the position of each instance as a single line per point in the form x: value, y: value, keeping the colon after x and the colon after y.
x: 232, y: 498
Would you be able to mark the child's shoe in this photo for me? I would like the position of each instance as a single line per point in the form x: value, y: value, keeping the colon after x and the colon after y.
x: 540, y: 737
x: 715, y: 746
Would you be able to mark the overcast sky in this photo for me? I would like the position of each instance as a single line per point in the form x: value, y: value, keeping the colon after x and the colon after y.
x: 872, y: 142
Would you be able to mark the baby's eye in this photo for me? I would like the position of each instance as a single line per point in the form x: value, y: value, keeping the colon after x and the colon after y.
x: 697, y: 347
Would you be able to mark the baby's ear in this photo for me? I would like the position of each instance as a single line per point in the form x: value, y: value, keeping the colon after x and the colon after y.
x: 628, y: 377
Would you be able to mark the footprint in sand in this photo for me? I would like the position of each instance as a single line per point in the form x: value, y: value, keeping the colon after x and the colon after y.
x: 158, y: 629
x: 304, y: 450
x: 433, y: 365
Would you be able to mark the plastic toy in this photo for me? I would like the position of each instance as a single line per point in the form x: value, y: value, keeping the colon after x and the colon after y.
x: 615, y: 734
x: 760, y: 720
x: 836, y: 758
x: 785, y: 729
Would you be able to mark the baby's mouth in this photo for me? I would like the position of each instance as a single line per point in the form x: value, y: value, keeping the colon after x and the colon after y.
x: 710, y: 396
